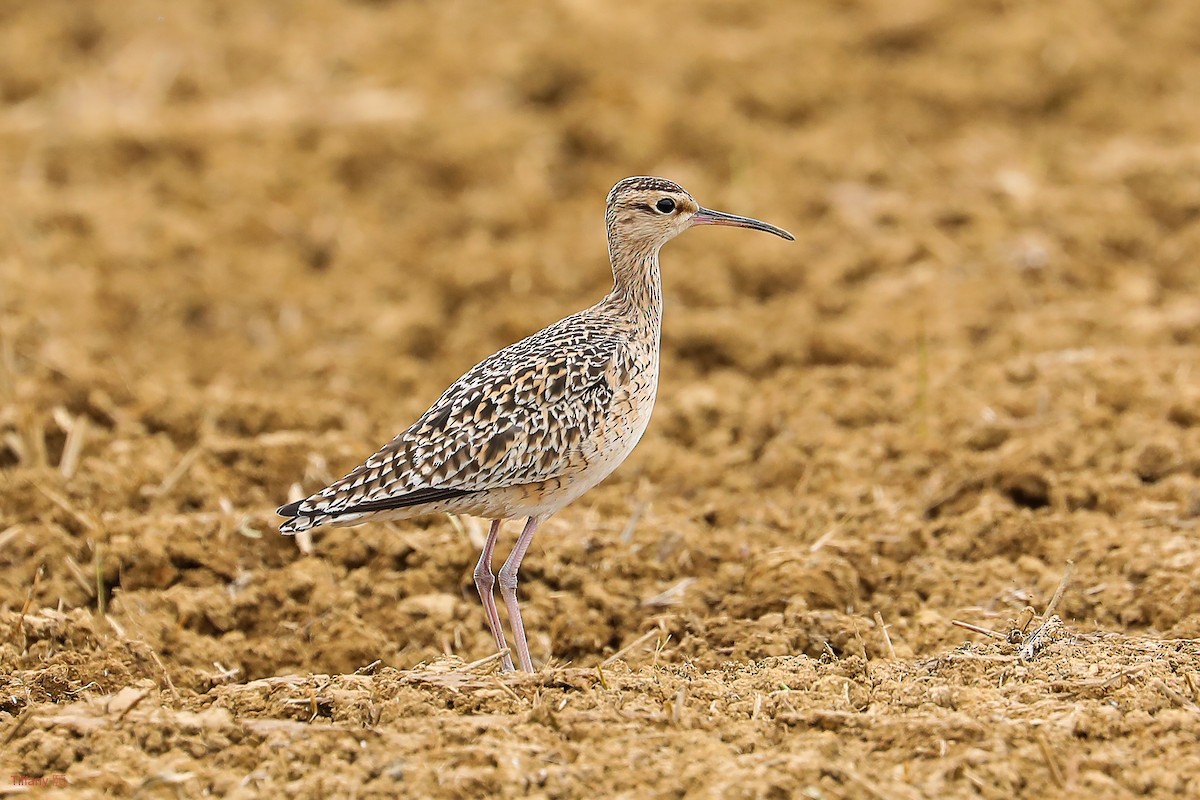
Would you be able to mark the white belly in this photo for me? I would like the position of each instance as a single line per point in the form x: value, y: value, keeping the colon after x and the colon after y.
x: 605, y: 449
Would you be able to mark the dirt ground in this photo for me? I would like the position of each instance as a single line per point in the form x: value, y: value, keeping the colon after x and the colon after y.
x: 243, y: 244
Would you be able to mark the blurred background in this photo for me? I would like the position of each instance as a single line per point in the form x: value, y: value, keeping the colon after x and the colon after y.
x: 242, y: 244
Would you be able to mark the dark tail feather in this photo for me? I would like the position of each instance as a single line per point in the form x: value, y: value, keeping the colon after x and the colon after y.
x: 290, y: 510
x: 418, y: 497
x: 303, y: 523
x: 302, y: 520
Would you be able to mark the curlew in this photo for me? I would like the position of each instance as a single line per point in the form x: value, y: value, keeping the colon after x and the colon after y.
x: 528, y: 430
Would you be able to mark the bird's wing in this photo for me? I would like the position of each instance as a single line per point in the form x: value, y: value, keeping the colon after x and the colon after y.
x: 517, y: 417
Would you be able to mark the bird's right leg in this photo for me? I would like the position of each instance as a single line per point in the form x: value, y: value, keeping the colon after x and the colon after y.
x: 508, y: 588
x: 485, y: 579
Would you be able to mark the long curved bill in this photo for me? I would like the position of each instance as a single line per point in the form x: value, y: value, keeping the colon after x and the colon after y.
x: 706, y: 216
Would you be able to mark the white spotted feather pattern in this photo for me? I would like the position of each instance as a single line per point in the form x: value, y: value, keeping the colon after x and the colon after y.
x: 523, y: 416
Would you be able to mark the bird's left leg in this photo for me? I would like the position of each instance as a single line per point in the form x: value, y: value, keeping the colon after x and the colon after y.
x: 484, y: 580
x: 508, y: 589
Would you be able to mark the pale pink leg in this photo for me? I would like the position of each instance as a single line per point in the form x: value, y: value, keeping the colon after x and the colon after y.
x: 508, y: 589
x: 484, y: 581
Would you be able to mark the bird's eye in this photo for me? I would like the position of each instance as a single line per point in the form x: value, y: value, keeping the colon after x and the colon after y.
x: 666, y: 205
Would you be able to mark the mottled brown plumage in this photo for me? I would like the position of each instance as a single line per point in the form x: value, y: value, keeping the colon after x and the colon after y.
x: 529, y: 429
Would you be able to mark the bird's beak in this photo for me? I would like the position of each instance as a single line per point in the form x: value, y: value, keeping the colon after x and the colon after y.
x: 706, y: 216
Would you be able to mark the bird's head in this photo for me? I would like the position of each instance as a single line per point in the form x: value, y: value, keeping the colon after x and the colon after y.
x: 645, y: 213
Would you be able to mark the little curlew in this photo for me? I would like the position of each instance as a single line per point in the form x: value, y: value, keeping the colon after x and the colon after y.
x: 528, y: 430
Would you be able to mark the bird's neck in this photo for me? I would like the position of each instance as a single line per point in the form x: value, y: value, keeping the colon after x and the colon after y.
x: 637, y: 287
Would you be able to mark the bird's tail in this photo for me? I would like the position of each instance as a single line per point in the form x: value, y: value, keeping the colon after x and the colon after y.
x: 303, y: 519
x: 303, y: 522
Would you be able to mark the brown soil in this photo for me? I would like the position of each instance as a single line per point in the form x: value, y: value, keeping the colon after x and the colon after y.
x: 244, y: 243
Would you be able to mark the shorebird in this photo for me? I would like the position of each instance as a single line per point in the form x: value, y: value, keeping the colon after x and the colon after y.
x: 528, y: 430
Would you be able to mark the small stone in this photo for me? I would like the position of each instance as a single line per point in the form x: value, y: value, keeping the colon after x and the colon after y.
x: 1154, y: 462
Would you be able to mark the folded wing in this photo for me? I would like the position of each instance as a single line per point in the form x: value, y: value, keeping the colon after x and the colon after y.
x: 518, y: 417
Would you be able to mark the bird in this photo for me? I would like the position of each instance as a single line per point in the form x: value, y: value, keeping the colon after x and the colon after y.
x: 531, y: 428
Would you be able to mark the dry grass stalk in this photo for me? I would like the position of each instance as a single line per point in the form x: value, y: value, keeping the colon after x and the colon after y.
x: 635, y: 516
x: 1058, y: 593
x: 263, y: 440
x: 8, y: 362
x: 677, y: 707
x: 887, y: 639
x: 65, y: 504
x: 223, y: 673
x: 166, y: 778
x: 21, y: 722
x: 976, y: 629
x: 19, y: 627
x: 118, y: 629
x: 631, y: 646
x: 1191, y: 684
x: 475, y: 532
x: 132, y: 705
x: 132, y: 646
x: 669, y: 597
x: 1174, y: 696
x: 13, y: 441
x: 177, y: 474
x: 8, y: 534
x: 100, y: 600
x: 1098, y: 683
x: 166, y: 675
x: 35, y: 440
x: 470, y: 528
x: 1031, y: 644
x: 77, y: 574
x: 73, y: 447
x: 500, y: 684
x: 659, y: 647
x: 1056, y: 773
x: 825, y: 538
x: 1021, y: 624
x: 304, y: 542
x: 494, y: 657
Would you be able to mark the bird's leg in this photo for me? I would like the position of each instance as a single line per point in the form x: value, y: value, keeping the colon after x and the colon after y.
x: 484, y: 581
x: 508, y: 589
